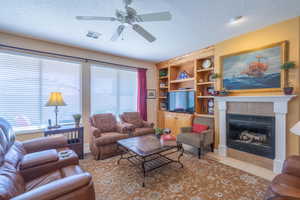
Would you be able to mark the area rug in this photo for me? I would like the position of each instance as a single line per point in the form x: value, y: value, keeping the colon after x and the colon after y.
x: 200, y: 179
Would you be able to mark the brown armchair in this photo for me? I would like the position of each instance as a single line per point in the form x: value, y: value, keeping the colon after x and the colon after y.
x: 286, y: 186
x: 104, y: 134
x: 199, y: 140
x: 141, y: 127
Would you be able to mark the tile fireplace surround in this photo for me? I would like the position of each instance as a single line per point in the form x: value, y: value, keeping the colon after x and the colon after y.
x: 280, y: 108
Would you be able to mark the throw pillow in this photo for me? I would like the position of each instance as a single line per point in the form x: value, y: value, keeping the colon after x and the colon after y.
x: 199, y: 128
x: 168, y: 137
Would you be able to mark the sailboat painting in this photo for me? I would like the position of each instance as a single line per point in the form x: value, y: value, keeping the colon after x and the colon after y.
x: 258, y: 69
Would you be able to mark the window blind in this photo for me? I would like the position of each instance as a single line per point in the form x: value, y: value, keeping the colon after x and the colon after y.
x: 113, y: 90
x: 25, y: 85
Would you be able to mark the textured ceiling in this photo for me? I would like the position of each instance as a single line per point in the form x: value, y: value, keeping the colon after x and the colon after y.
x: 196, y: 23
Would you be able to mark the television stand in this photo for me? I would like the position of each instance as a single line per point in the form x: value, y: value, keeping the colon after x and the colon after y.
x: 175, y: 121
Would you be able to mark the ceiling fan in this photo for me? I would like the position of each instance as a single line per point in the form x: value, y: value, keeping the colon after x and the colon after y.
x: 130, y: 17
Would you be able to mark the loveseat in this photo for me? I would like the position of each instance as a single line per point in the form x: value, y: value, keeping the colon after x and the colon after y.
x: 40, y: 169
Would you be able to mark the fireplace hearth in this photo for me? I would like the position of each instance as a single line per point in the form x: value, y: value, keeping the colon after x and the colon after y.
x: 252, y: 134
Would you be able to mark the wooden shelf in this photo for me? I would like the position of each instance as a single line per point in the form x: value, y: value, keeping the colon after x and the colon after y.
x: 165, y: 87
x: 162, y: 97
x: 206, y: 83
x: 182, y: 90
x: 182, y: 80
x: 204, y: 115
x: 163, y: 77
x: 205, y: 70
x: 205, y: 97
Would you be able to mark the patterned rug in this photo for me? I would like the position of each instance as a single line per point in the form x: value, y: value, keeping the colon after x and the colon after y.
x: 203, y: 179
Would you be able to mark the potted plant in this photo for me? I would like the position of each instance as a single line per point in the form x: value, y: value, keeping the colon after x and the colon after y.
x: 159, y: 132
x: 77, y: 118
x: 214, y: 76
x: 163, y: 72
x: 288, y: 90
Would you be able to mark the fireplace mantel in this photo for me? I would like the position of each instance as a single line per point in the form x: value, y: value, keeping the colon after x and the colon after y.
x: 280, y: 108
x: 277, y: 98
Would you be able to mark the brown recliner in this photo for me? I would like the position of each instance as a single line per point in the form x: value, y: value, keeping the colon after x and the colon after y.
x: 40, y: 169
x: 105, y: 131
x: 286, y: 186
x: 141, y: 127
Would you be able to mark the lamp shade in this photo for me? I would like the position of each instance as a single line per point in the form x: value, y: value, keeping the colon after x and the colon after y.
x: 56, y: 99
x: 296, y: 128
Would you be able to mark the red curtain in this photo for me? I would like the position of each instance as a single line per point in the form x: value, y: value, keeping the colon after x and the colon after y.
x: 142, y: 93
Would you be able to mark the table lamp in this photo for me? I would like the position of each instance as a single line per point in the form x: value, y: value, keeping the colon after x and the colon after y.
x: 55, y: 100
x: 296, y: 129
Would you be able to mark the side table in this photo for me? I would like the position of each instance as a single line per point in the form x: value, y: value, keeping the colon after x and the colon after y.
x: 74, y: 136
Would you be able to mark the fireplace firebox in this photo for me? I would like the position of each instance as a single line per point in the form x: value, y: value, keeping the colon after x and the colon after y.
x: 252, y: 134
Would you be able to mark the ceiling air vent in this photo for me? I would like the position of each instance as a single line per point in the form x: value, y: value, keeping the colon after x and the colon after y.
x: 93, y: 34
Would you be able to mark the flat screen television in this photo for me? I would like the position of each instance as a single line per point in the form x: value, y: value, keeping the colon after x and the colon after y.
x: 181, y: 101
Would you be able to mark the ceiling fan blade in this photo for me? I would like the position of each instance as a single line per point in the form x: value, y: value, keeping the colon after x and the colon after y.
x: 95, y: 18
x: 117, y: 34
x: 145, y: 34
x: 127, y: 2
x: 160, y: 16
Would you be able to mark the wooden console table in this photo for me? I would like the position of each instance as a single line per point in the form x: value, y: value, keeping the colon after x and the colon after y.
x: 74, y: 136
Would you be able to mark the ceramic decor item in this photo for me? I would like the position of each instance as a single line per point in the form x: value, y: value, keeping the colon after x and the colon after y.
x: 206, y: 64
x: 288, y: 90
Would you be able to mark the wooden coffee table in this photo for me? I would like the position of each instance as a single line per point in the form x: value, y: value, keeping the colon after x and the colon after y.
x: 149, y: 153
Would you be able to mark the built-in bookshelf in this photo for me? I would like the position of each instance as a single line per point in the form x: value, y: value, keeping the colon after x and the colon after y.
x: 163, y: 87
x: 179, y: 83
x: 199, y: 78
x: 205, y: 85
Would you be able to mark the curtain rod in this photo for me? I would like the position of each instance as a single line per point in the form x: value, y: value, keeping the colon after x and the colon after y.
x: 65, y: 56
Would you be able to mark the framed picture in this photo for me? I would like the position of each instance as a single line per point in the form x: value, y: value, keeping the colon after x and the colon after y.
x: 151, y: 94
x: 256, y: 70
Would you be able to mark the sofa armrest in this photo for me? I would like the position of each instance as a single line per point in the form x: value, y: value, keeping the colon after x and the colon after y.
x: 95, y: 132
x: 45, y: 143
x: 38, y: 158
x: 125, y: 127
x: 148, y: 124
x: 46, y: 165
x: 57, y: 188
x: 292, y: 166
x: 186, y: 129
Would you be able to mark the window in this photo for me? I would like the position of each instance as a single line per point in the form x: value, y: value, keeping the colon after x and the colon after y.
x: 25, y: 86
x: 113, y: 90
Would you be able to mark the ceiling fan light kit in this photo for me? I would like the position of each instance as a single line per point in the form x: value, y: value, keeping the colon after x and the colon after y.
x: 129, y: 17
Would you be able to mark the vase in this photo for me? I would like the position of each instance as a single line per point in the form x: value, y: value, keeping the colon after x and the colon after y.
x: 77, y: 122
x: 288, y: 90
